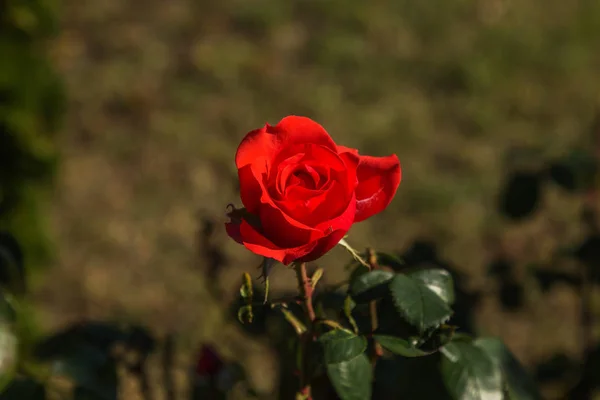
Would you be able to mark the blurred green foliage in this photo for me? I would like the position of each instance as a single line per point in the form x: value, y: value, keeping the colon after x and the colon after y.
x: 31, y: 106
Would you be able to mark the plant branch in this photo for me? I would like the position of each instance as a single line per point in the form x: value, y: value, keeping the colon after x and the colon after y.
x: 306, y: 292
x: 377, y: 350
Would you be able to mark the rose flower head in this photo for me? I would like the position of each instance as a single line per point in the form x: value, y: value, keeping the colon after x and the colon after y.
x: 302, y: 192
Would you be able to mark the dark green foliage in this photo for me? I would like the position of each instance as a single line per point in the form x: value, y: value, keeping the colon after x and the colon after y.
x: 417, y: 303
x: 31, y: 107
x: 521, y: 195
x: 24, y: 389
x: 421, y: 355
x: 400, y: 346
x: 519, y: 385
x: 470, y: 374
x: 576, y: 172
x: 438, y: 281
x: 352, y: 379
x: 340, y: 345
x: 370, y: 286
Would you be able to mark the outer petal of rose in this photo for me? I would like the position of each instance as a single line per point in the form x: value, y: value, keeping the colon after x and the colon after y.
x: 378, y: 180
x: 336, y: 210
x: 233, y: 230
x: 351, y: 160
x: 254, y: 241
x: 344, y: 149
x: 340, y: 222
x: 324, y: 245
x: 266, y: 141
x: 285, y: 231
x: 338, y: 227
x: 295, y: 129
x: 251, y: 186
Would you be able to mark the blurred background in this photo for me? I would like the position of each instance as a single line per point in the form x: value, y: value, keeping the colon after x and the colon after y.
x: 120, y: 121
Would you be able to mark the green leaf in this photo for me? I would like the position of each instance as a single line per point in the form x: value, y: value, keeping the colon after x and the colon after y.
x: 341, y: 345
x: 98, y: 335
x: 576, y: 172
x: 245, y: 314
x: 370, y: 286
x: 352, y: 379
x: 246, y: 290
x: 349, y: 305
x: 417, y: 303
x: 314, y: 279
x: 289, y: 316
x: 24, y: 389
x: 389, y: 260
x: 438, y: 281
x: 358, y: 271
x: 518, y: 382
x: 469, y: 373
x: 399, y: 346
x: 89, y: 368
x: 410, y: 378
x: 437, y: 338
x: 265, y: 266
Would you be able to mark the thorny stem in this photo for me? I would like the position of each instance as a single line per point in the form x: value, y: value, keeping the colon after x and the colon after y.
x: 306, y: 290
x: 306, y: 293
x: 377, y: 350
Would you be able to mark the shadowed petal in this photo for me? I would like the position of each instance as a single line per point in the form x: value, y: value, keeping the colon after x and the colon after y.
x: 324, y: 245
x: 257, y: 243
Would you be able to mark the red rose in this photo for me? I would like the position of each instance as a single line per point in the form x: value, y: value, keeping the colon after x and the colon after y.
x: 208, y: 363
x: 302, y: 192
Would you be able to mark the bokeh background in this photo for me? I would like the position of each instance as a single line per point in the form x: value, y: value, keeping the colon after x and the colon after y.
x: 157, y: 96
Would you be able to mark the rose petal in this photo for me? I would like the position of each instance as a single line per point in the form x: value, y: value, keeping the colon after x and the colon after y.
x: 256, y: 242
x: 322, y: 238
x: 266, y: 142
x: 251, y: 186
x: 305, y: 155
x: 279, y: 176
x: 295, y: 193
x: 285, y: 231
x: 324, y: 245
x: 378, y: 180
x: 337, y: 227
x: 295, y: 129
x: 329, y: 205
x: 233, y: 230
x: 351, y: 160
x: 344, y: 149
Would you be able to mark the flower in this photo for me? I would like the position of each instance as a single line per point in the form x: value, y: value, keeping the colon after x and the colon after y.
x: 208, y: 363
x: 302, y: 192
